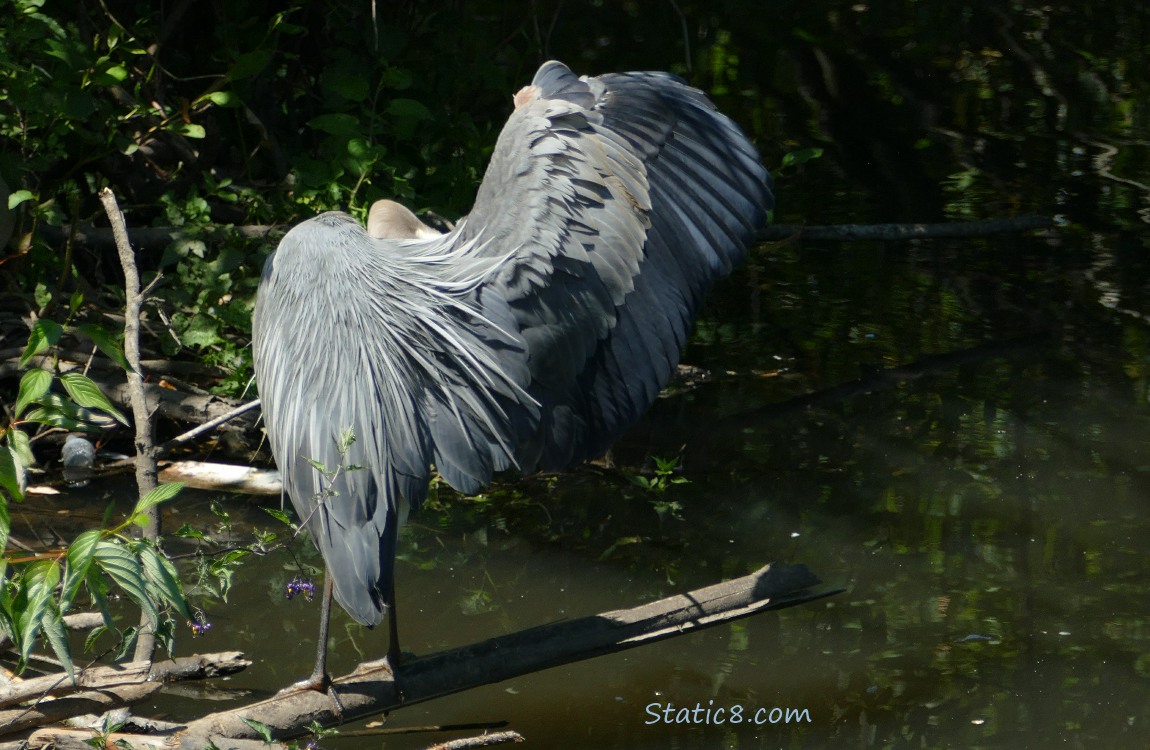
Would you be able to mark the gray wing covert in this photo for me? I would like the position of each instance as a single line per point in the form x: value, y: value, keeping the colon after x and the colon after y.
x: 618, y: 201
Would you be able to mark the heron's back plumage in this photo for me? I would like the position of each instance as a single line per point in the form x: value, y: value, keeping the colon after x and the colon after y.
x: 530, y: 337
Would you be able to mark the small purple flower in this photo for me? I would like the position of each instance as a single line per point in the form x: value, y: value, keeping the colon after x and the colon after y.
x: 300, y: 585
x: 200, y: 625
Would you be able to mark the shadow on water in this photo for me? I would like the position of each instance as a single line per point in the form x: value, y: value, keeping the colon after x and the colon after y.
x: 988, y: 516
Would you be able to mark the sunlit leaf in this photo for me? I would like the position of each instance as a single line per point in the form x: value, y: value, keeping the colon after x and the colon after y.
x: 164, y: 579
x: 52, y: 625
x: 86, y: 393
x: 16, y: 197
x: 45, y: 333
x: 78, y: 562
x: 193, y: 130
x: 54, y: 417
x: 158, y: 495
x: 40, y: 579
x: 33, y: 386
x: 9, y: 480
x: 125, y: 569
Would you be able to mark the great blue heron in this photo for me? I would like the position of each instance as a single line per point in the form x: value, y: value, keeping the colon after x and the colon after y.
x: 529, y: 337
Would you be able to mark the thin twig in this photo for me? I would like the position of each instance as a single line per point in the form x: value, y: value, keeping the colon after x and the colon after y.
x: 211, y: 424
x: 146, y: 469
x: 483, y: 740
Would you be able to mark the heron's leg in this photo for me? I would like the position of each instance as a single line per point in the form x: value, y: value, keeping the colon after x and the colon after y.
x: 319, y: 677
x: 393, y: 633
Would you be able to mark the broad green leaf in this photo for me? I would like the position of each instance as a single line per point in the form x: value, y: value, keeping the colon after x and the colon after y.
x: 193, y: 130
x: 164, y: 579
x: 250, y: 63
x: 408, y: 109
x: 223, y: 98
x: 336, y: 123
x: 5, y: 527
x: 45, y: 333
x: 19, y: 196
x: 52, y: 624
x: 33, y: 386
x: 156, y: 496
x: 79, y: 561
x: 40, y: 579
x: 54, y: 417
x: 86, y: 393
x: 107, y: 342
x: 125, y: 569
x: 21, y: 446
x: 10, y: 482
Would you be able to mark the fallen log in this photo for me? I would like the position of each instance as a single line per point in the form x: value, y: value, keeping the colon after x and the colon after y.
x: 199, y: 666
x: 372, y: 689
x: 87, y: 702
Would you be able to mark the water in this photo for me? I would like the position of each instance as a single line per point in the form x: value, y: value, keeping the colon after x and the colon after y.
x: 985, y: 507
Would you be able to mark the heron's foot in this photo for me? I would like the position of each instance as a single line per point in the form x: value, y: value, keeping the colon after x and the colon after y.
x: 321, y: 683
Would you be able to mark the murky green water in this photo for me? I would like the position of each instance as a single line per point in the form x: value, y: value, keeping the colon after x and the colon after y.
x: 986, y: 504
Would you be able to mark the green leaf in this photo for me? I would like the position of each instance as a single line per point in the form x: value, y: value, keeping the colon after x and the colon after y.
x: 19, y: 196
x: 126, y: 570
x: 158, y: 495
x: 192, y: 130
x: 54, y: 417
x: 10, y: 482
x: 107, y: 342
x: 280, y: 516
x: 250, y: 63
x: 40, y: 579
x: 21, y: 446
x: 86, y: 393
x: 802, y: 156
x: 45, y: 333
x: 224, y: 99
x: 33, y: 386
x: 5, y: 526
x: 336, y: 123
x: 78, y: 562
x: 52, y: 624
x: 408, y: 109
x: 263, y: 730
x: 163, y: 577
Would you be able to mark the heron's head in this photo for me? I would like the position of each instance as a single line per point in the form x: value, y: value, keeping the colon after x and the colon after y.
x: 388, y: 220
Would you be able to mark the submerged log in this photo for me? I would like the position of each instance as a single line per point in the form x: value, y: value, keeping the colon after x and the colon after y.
x: 372, y: 688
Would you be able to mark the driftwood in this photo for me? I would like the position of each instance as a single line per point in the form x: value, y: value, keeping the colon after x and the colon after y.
x: 198, y: 667
x: 100, y: 689
x: 224, y: 477
x: 155, y: 239
x: 371, y: 688
x: 87, y: 702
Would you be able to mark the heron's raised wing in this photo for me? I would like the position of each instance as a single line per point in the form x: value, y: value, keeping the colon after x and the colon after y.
x: 616, y: 201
